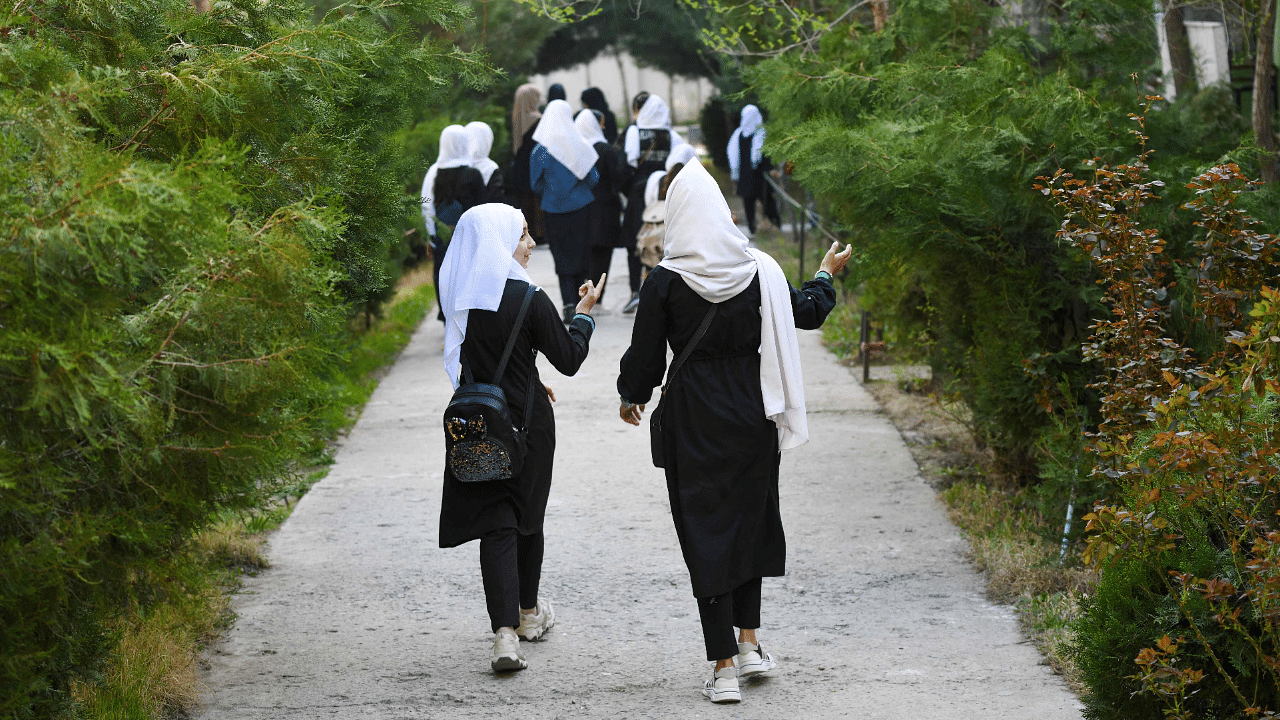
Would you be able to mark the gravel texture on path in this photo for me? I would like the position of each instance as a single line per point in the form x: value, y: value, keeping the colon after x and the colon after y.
x: 362, y: 616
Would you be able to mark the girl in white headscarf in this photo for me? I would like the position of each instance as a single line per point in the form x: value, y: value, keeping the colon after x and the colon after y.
x: 482, y: 286
x: 735, y: 404
x: 562, y: 170
x: 646, y: 145
x: 481, y: 146
x: 450, y: 188
x: 747, y: 163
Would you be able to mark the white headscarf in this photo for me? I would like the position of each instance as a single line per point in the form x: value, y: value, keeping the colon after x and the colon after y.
x: 557, y: 133
x: 455, y: 151
x: 681, y: 154
x: 589, y: 127
x: 476, y: 270
x: 752, y: 124
x: 652, y: 186
x: 481, y: 144
x: 705, y: 247
x: 654, y: 115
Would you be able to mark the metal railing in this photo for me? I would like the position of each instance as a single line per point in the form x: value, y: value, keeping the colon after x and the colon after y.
x: 809, y: 218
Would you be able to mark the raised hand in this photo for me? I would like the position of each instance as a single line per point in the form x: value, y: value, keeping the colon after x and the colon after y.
x: 590, y: 295
x: 834, y: 262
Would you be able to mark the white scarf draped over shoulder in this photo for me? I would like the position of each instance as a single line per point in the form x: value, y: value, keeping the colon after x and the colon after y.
x: 475, y: 272
x: 560, y: 136
x: 455, y: 151
x: 481, y: 145
x: 705, y: 247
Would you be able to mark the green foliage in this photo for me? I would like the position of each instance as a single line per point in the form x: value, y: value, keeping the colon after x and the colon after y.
x: 192, y: 205
x: 924, y: 141
x: 662, y: 34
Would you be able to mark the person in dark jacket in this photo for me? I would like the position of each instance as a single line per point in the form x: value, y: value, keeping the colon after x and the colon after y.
x: 732, y: 407
x: 562, y: 171
x: 524, y: 122
x: 450, y: 188
x: 483, y: 284
x: 606, y: 209
x: 593, y: 99
x: 747, y: 162
x: 646, y: 145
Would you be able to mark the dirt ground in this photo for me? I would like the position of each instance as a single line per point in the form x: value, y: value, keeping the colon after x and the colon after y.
x: 362, y: 615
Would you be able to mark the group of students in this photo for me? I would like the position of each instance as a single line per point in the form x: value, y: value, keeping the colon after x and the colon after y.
x: 581, y: 188
x: 733, y: 399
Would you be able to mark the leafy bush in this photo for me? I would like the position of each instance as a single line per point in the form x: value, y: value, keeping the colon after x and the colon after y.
x: 1183, y: 624
x: 192, y: 205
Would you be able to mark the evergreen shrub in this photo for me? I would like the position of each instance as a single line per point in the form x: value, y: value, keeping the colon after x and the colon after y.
x: 191, y: 206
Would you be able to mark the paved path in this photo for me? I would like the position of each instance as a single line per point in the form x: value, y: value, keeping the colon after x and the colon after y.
x: 363, y: 616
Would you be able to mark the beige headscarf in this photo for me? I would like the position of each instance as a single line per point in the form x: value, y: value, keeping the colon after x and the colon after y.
x: 524, y: 113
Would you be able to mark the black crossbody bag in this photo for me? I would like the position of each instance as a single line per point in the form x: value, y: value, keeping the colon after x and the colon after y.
x: 481, y: 441
x: 655, y: 419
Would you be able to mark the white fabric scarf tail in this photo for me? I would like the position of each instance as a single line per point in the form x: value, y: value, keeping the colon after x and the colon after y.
x: 781, y: 380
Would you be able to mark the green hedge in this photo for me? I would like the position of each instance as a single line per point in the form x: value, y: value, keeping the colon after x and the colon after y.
x: 193, y: 204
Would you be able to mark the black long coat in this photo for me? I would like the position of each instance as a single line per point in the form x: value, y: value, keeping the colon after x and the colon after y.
x: 468, y: 510
x: 721, y: 451
x: 606, y: 210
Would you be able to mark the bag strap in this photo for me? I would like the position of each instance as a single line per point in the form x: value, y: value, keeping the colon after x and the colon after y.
x: 684, y: 355
x: 511, y: 342
x: 515, y: 331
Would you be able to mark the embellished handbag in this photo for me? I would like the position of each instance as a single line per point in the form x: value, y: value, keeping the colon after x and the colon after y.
x: 655, y: 419
x: 481, y: 441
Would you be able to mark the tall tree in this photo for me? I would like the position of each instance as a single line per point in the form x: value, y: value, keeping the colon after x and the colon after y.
x: 1264, y: 75
x: 1180, y: 59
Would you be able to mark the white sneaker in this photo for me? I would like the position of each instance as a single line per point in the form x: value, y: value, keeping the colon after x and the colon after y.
x: 534, y: 626
x: 723, y: 686
x: 752, y: 660
x: 506, y: 652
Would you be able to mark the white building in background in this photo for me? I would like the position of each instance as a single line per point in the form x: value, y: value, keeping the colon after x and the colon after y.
x: 620, y: 79
x: 1209, y: 49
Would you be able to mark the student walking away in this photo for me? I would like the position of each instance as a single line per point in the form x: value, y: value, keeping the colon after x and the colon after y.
x: 481, y: 146
x: 593, y: 99
x: 606, y: 209
x: 748, y: 164
x: 651, y: 238
x: 524, y: 120
x: 734, y: 399
x: 483, y: 288
x: 646, y: 145
x: 556, y: 92
x: 450, y: 187
x: 562, y: 170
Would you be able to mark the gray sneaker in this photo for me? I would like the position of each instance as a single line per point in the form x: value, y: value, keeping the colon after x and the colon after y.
x: 632, y: 304
x: 533, y: 627
x: 723, y: 686
x: 506, y: 652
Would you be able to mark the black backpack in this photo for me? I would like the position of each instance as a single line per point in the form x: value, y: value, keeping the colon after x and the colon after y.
x: 481, y: 441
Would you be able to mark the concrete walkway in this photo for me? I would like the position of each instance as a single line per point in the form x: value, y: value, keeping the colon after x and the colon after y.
x: 363, y: 616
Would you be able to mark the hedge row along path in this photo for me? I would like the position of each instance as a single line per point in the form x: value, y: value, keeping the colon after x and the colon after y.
x: 363, y: 616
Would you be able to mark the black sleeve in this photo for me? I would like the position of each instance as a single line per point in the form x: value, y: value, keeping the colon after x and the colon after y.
x: 494, y: 192
x: 811, y: 304
x: 565, y: 348
x: 645, y: 362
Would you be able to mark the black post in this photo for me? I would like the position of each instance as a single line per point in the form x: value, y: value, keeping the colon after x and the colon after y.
x: 864, y: 342
x: 804, y: 220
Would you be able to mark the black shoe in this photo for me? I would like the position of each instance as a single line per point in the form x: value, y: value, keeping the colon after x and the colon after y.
x: 569, y: 312
x: 632, y: 304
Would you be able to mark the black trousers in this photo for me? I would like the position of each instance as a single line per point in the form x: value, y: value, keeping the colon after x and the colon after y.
x: 600, y: 259
x: 511, y: 566
x: 749, y: 204
x: 722, y: 613
x: 569, y: 285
